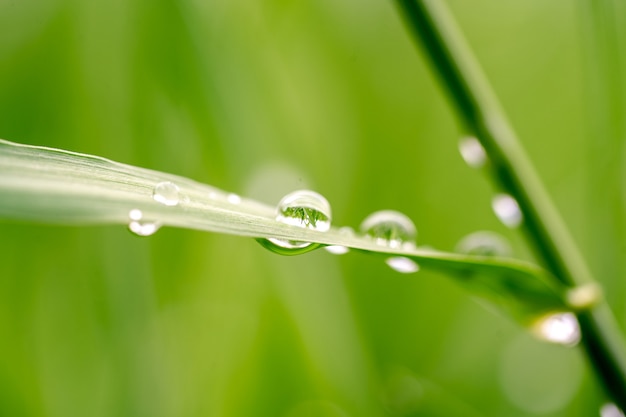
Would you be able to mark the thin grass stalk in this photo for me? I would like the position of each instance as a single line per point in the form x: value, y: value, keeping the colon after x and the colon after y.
x: 435, y: 29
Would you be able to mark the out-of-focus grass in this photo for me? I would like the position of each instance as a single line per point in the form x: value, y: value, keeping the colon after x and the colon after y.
x: 95, y: 321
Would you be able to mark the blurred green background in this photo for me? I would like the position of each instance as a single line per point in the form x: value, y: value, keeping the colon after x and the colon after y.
x: 262, y: 98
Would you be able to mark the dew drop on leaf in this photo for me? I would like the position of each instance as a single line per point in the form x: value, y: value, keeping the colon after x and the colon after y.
x: 402, y: 264
x: 139, y: 226
x: 507, y: 210
x: 302, y: 208
x: 389, y: 228
x: 166, y: 193
x: 484, y: 243
x: 233, y: 199
x: 472, y: 152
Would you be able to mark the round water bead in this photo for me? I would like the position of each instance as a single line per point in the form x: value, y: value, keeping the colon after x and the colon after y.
x: 389, y: 228
x: 507, y: 210
x: 472, y: 152
x: 559, y: 328
x: 402, y: 264
x: 166, y: 192
x: 302, y: 208
x: 484, y: 243
x: 139, y: 226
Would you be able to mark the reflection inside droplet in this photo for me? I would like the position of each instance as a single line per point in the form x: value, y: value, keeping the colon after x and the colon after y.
x: 402, y: 264
x: 302, y: 208
x: 389, y: 228
x: 559, y: 328
x: 139, y: 226
x: 507, y: 210
x: 472, y: 152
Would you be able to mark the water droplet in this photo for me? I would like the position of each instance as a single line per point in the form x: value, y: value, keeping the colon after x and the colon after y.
x: 559, y: 328
x: 472, y: 152
x: 507, y: 210
x: 610, y: 410
x: 139, y: 226
x: 166, y: 193
x: 389, y: 228
x: 337, y: 249
x: 233, y: 199
x: 584, y: 296
x: 484, y: 243
x: 212, y: 195
x: 402, y: 264
x: 302, y: 208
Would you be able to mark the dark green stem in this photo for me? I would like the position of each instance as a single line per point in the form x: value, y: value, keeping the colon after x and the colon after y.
x: 434, y: 27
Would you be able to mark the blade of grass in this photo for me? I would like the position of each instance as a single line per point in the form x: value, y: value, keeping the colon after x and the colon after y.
x: 434, y: 28
x: 56, y: 186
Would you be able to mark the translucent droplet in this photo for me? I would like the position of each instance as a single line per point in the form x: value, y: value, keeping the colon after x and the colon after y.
x: 166, y: 193
x: 302, y: 208
x: 559, y: 328
x: 233, y: 199
x: 610, y: 410
x: 337, y: 249
x: 472, y: 152
x: 389, y: 228
x: 402, y: 264
x: 484, y: 243
x: 507, y: 210
x: 139, y: 226
x: 212, y: 195
x: 584, y: 296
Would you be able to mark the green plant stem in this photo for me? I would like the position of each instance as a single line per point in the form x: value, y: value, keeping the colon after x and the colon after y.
x: 435, y: 29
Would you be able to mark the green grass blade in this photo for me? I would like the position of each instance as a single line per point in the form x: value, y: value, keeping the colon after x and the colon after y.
x: 435, y: 29
x: 55, y: 186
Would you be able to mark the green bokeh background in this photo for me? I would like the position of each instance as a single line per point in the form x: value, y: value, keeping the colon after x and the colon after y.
x: 261, y: 98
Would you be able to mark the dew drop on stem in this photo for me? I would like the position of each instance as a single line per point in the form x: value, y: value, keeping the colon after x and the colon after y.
x: 507, y: 210
x: 472, y: 152
x: 389, y: 228
x: 166, y: 193
x: 139, y: 226
x: 611, y: 410
x: 302, y: 208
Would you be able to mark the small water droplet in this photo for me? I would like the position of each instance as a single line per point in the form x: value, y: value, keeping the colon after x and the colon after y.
x: 584, y: 296
x: 507, y: 210
x: 402, y: 264
x: 559, y: 328
x: 484, y: 243
x: 166, y: 192
x: 472, y: 152
x: 610, y: 410
x: 337, y: 249
x: 302, y: 208
x: 233, y: 198
x: 139, y: 226
x: 389, y: 228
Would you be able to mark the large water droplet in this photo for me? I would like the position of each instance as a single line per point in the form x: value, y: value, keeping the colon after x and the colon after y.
x: 166, y: 193
x: 484, y: 243
x: 472, y: 152
x: 139, y: 226
x: 559, y: 328
x: 389, y: 228
x: 302, y: 208
x: 402, y: 264
x: 507, y: 210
